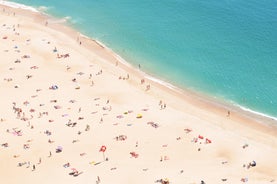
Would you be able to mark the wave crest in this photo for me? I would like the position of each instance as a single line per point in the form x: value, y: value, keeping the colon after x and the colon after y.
x: 17, y: 5
x: 43, y: 8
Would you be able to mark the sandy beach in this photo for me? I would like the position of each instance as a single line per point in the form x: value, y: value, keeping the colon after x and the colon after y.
x: 72, y: 112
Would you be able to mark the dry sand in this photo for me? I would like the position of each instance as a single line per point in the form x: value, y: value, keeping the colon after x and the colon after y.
x: 59, y: 93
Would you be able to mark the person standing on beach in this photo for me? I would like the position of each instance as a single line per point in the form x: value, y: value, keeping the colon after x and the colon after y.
x: 228, y: 114
x: 98, y: 180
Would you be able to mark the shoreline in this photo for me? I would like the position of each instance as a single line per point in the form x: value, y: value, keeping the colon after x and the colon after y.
x: 223, y: 103
x: 217, y: 105
x: 184, y: 109
x: 264, y: 122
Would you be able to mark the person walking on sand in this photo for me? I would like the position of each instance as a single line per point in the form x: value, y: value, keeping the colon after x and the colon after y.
x: 148, y: 87
x: 98, y: 180
x: 39, y: 162
x: 34, y: 167
x: 228, y: 114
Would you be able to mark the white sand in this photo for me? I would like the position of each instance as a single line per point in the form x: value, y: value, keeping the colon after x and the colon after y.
x: 109, y: 106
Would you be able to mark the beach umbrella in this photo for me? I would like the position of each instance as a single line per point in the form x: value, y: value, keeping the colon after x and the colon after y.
x: 103, y: 149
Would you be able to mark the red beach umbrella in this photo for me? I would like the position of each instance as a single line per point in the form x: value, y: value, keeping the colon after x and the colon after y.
x: 103, y: 149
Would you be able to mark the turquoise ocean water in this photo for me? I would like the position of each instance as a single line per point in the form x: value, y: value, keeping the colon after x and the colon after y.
x: 224, y: 48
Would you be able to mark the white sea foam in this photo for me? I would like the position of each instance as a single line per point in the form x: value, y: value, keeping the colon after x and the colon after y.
x: 43, y: 8
x: 159, y: 81
x: 170, y: 86
x: 61, y: 20
x: 17, y: 5
x: 118, y: 57
x: 255, y: 112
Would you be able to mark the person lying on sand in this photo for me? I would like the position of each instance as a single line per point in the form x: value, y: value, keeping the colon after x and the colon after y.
x: 5, y: 145
x: 66, y: 165
x: 75, y: 172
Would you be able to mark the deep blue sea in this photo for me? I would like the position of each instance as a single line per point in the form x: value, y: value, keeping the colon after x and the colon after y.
x: 224, y: 48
